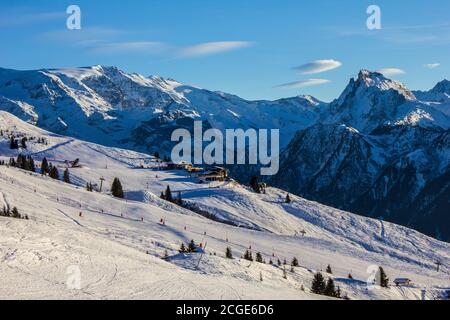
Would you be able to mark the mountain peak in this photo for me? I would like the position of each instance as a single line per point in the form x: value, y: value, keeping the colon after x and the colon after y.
x: 377, y: 80
x: 442, y: 87
x: 365, y: 74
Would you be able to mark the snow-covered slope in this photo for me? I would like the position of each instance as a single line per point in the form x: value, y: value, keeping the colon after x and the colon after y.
x: 117, y: 244
x: 438, y: 97
x: 376, y: 150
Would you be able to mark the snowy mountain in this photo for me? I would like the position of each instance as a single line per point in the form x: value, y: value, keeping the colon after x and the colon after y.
x: 439, y: 96
x: 377, y: 151
x: 118, y: 244
x: 108, y: 106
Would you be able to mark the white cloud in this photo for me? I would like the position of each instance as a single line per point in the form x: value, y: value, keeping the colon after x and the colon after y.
x: 432, y: 65
x: 17, y: 19
x: 389, y: 72
x: 209, y: 48
x: 129, y: 47
x: 303, y: 83
x: 318, y: 66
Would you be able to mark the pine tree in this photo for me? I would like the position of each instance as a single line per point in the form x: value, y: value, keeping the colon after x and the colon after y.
x: 54, y: 174
x: 116, y: 188
x: 179, y: 200
x: 248, y: 255
x: 294, y: 262
x: 288, y: 198
x: 168, y: 195
x: 384, y: 280
x: 329, y: 270
x: 13, y: 143
x: 338, y: 293
x: 24, y: 142
x: 259, y: 257
x: 66, y: 177
x: 182, y: 249
x: 229, y: 253
x: 318, y: 284
x: 15, y: 213
x: 330, y: 289
x: 44, y: 166
x: 31, y: 165
x: 192, y: 247
x: 255, y: 184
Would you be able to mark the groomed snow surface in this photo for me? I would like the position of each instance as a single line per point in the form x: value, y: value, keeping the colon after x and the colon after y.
x: 118, y: 245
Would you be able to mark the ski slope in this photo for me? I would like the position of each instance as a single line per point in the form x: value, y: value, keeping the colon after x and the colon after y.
x: 118, y: 245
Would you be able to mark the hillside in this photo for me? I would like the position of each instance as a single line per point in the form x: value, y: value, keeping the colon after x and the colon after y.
x: 118, y: 244
x: 379, y: 149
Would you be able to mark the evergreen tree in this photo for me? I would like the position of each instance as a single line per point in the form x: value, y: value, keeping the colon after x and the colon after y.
x: 248, y: 255
x: 338, y: 293
x: 66, y: 177
x: 294, y: 262
x: 116, y: 188
x: 228, y: 253
x: 168, y: 195
x: 259, y: 257
x: 179, y: 200
x: 330, y: 289
x: 254, y: 183
x: 384, y: 280
x: 24, y: 142
x: 329, y: 270
x: 54, y: 174
x: 192, y: 247
x: 318, y: 284
x: 15, y: 213
x: 44, y: 166
x: 31, y: 166
x: 288, y: 198
x: 13, y: 143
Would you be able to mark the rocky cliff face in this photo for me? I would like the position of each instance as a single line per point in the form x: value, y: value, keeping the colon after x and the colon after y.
x: 379, y: 152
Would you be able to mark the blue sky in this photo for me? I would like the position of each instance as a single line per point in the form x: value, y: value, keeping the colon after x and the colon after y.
x: 246, y: 47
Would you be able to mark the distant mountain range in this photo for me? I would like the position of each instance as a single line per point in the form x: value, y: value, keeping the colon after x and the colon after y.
x: 379, y: 150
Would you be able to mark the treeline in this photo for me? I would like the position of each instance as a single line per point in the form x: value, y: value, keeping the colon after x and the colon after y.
x: 14, y: 213
x: 16, y: 143
x: 47, y: 168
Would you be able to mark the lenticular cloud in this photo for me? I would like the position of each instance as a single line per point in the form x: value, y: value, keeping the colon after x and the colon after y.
x: 318, y: 66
